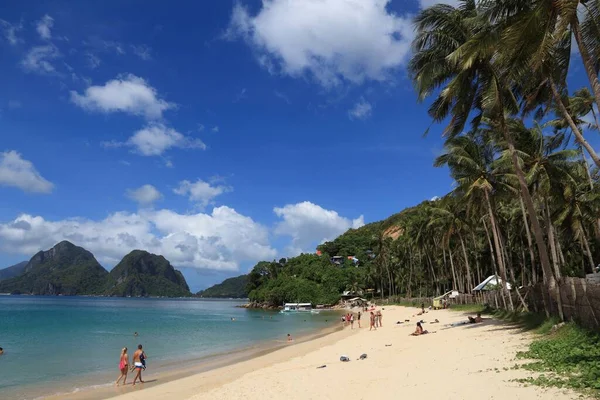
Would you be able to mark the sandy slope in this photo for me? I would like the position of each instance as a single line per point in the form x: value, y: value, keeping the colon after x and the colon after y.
x: 464, y: 362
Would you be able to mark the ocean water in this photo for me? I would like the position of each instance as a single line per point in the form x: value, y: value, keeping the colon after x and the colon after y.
x: 64, y: 343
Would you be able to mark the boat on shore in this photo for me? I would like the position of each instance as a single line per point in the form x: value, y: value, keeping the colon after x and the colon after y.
x: 298, y: 308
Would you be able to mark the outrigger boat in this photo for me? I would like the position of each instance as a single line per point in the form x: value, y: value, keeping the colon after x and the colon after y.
x: 298, y: 307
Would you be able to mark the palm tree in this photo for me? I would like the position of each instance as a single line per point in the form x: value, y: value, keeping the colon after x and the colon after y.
x: 535, y: 50
x: 469, y: 158
x: 455, y: 50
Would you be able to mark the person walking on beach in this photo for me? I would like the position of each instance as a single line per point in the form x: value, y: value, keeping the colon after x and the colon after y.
x: 351, y: 321
x: 380, y: 319
x: 372, y: 321
x: 358, y: 317
x: 138, y: 363
x: 123, y: 366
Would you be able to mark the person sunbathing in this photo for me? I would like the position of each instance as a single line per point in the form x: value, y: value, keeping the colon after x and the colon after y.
x: 419, y: 330
x: 476, y: 320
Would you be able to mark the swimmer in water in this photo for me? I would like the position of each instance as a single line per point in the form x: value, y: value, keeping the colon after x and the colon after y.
x: 289, y: 338
x: 135, y: 334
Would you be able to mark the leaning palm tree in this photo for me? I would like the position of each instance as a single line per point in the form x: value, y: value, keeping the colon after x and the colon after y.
x: 455, y: 51
x: 535, y: 50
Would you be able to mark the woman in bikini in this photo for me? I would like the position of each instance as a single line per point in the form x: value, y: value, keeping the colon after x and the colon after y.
x: 123, y: 366
x: 419, y: 330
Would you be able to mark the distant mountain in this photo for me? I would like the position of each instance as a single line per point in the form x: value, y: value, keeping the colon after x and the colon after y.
x: 64, y: 269
x: 229, y: 288
x: 144, y: 274
x: 13, y: 271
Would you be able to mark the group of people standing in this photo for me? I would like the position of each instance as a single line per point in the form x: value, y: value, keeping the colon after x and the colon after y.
x: 348, y: 319
x: 139, y: 363
x: 376, y: 320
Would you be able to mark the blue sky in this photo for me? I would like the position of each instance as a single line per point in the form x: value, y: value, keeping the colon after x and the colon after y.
x: 217, y: 133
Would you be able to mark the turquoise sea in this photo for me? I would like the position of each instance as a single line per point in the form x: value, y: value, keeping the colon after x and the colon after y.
x: 64, y: 344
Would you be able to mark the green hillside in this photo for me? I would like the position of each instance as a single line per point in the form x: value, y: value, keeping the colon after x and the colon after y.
x: 64, y: 269
x: 144, y: 274
x: 230, y: 288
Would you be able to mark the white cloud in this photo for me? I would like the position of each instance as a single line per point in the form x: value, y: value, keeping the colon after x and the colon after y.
x: 44, y: 27
x: 201, y: 192
x: 155, y: 139
x: 215, y: 129
x: 10, y: 32
x: 39, y: 58
x: 128, y: 93
x: 220, y: 240
x: 429, y: 3
x: 361, y: 110
x: 20, y: 173
x: 332, y: 40
x: 145, y: 195
x: 309, y: 224
x: 142, y: 51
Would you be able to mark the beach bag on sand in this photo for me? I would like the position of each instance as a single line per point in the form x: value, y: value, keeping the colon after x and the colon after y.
x: 344, y: 358
x: 363, y: 356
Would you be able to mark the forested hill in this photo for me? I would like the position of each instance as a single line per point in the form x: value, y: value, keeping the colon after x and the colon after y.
x: 234, y: 288
x: 317, y: 278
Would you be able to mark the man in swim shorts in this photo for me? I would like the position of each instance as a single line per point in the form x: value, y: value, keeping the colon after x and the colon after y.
x: 138, y: 356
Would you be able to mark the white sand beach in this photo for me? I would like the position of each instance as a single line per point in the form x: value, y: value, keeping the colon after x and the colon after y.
x: 464, y: 362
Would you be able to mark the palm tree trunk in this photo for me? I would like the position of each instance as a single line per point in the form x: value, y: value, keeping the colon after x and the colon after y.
x: 586, y: 246
x: 487, y: 233
x: 507, y: 265
x: 455, y: 285
x: 572, y: 125
x: 529, y: 242
x: 538, y: 233
x: 464, y: 250
x: 551, y: 240
x: 499, y: 254
x: 588, y: 63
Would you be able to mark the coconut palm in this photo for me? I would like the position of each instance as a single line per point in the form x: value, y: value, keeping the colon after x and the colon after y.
x: 455, y: 51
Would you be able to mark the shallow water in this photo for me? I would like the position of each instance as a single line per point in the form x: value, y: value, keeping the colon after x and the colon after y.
x: 65, y: 343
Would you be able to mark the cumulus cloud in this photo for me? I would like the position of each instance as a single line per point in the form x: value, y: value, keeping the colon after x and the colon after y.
x: 361, y: 110
x: 20, y: 173
x: 309, y: 224
x: 145, y: 195
x: 155, y: 139
x: 39, y: 59
x: 44, y: 27
x: 429, y: 3
x: 201, y: 192
x: 10, y: 32
x: 220, y: 240
x: 331, y: 40
x: 129, y: 94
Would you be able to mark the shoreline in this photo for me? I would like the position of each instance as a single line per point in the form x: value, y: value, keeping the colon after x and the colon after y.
x: 172, y: 370
x: 452, y: 363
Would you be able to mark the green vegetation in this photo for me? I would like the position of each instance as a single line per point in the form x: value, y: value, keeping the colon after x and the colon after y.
x: 144, y: 274
x: 566, y: 358
x: 306, y: 278
x: 526, y: 202
x: 562, y: 355
x: 65, y: 269
x: 12, y: 271
x: 70, y: 270
x: 234, y: 288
